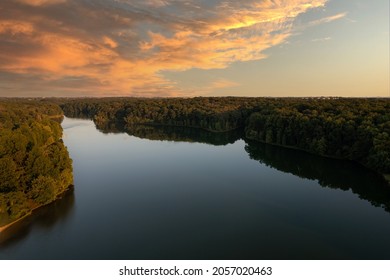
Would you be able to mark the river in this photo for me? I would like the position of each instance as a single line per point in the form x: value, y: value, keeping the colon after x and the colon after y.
x: 175, y: 193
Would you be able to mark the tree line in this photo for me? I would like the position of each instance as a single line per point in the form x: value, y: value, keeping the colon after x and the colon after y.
x: 353, y: 129
x: 356, y: 129
x: 212, y: 114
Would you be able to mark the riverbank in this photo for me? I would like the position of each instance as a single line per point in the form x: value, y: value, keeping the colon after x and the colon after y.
x: 12, y: 223
x: 5, y: 227
x: 386, y: 177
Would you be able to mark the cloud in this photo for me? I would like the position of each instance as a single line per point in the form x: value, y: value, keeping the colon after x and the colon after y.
x: 322, y: 39
x: 122, y: 47
x: 40, y: 2
x: 327, y: 19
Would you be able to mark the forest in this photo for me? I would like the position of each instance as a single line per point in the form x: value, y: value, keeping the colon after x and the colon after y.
x: 212, y: 114
x: 35, y: 168
x: 356, y: 129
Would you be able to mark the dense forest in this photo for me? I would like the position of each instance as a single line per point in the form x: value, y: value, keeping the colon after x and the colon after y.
x: 212, y: 114
x: 356, y: 129
x: 35, y: 167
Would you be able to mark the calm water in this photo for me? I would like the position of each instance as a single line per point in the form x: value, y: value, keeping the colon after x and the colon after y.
x: 170, y: 193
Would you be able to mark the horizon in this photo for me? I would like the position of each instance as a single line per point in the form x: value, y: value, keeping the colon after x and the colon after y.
x: 191, y: 97
x: 181, y: 49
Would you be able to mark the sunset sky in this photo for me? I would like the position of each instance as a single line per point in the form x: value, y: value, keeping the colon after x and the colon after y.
x: 194, y: 48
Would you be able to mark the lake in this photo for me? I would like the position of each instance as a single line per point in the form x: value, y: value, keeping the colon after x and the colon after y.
x: 174, y: 193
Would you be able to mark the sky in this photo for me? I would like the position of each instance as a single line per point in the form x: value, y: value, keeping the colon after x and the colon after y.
x: 185, y: 48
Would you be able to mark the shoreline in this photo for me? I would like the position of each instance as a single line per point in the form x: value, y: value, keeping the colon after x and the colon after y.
x: 6, y: 226
x: 152, y: 124
x: 386, y: 177
x: 10, y: 224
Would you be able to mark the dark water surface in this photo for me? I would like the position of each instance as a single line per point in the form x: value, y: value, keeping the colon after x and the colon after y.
x: 174, y: 193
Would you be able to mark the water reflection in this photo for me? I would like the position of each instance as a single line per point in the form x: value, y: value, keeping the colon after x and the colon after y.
x: 43, y: 219
x: 332, y: 173
x: 171, y: 133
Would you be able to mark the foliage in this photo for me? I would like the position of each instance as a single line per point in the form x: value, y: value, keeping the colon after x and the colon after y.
x: 212, y: 114
x: 357, y: 129
x: 34, y: 164
x: 354, y: 129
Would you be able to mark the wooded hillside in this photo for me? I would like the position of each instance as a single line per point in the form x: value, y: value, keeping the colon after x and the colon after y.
x: 35, y: 167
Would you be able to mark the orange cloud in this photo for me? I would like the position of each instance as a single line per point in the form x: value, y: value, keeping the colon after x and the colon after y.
x: 122, y: 47
x: 41, y: 2
x: 109, y: 42
x: 13, y: 27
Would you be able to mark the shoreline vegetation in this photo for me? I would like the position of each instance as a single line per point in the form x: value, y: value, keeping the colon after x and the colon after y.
x: 35, y: 168
x: 355, y: 129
